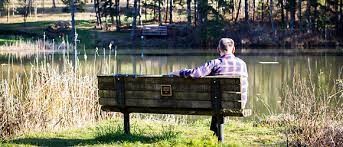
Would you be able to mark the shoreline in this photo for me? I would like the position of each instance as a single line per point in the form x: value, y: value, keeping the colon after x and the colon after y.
x: 189, y: 52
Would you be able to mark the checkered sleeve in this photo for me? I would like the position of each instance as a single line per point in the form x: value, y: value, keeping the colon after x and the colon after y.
x: 200, y: 71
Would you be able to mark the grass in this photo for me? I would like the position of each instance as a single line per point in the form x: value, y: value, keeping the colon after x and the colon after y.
x: 153, y: 133
x: 7, y: 41
x: 30, y: 30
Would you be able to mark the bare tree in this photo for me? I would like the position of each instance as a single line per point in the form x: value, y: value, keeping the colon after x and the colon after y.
x: 308, y: 15
x: 111, y: 12
x: 239, y: 8
x: 195, y: 12
x: 271, y: 4
x: 189, y: 13
x: 292, y: 10
x: 300, y: 14
x: 246, y: 8
x: 159, y: 12
x: 253, y: 10
x: 117, y: 15
x: 139, y: 12
x: 97, y: 13
x: 134, y: 20
x: 170, y: 11
x: 282, y: 12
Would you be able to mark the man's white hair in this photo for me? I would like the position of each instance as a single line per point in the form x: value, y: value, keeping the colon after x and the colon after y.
x: 226, y: 44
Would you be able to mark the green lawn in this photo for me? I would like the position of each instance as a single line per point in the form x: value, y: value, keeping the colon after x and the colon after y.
x: 36, y: 30
x: 6, y: 40
x: 153, y: 133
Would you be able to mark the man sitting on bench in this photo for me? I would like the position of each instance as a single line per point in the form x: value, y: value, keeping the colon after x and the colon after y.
x: 226, y: 64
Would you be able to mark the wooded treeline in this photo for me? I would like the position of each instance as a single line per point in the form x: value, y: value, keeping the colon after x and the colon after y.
x: 280, y: 16
x: 291, y: 15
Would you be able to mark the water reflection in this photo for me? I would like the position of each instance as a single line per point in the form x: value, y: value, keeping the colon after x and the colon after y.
x: 267, y: 74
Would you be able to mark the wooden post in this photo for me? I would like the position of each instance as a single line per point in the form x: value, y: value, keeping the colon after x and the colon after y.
x: 126, y: 122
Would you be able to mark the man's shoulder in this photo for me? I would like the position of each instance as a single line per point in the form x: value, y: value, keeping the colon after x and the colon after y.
x: 240, y: 60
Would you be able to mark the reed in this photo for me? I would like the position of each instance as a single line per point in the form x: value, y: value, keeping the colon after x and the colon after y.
x: 45, y: 96
x: 316, y: 110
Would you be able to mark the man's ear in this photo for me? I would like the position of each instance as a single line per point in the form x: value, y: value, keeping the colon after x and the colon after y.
x: 233, y: 50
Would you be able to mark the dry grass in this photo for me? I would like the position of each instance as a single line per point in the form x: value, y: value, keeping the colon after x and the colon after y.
x: 316, y: 110
x: 45, y: 96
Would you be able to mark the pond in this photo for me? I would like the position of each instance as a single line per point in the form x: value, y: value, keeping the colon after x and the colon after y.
x: 268, y: 74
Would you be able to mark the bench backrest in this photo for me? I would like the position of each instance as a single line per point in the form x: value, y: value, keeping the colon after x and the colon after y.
x: 212, y: 94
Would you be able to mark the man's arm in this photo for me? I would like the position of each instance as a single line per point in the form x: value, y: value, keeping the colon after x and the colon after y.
x: 245, y: 84
x: 198, y: 72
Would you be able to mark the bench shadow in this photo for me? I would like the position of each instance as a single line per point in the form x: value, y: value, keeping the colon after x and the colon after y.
x: 114, y: 137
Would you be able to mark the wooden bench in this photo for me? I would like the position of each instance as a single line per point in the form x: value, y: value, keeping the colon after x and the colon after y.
x: 154, y: 30
x: 217, y: 96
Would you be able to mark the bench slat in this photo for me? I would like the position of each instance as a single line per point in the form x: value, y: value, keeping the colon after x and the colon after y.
x: 107, y: 94
x: 175, y: 87
x: 106, y: 83
x: 185, y: 111
x: 170, y: 103
x: 226, y: 96
x: 176, y: 95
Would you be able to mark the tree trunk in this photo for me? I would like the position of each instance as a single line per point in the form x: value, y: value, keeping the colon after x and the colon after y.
x: 195, y: 12
x: 8, y: 12
x: 292, y: 10
x: 262, y: 11
x: 30, y: 8
x: 167, y: 9
x: 170, y: 11
x: 246, y: 12
x: 54, y: 3
x: 189, y: 13
x: 159, y: 12
x: 111, y: 13
x: 336, y: 15
x: 282, y: 12
x: 340, y: 16
x: 117, y: 15
x: 253, y: 10
x: 127, y: 4
x: 202, y: 20
x: 139, y: 12
x: 239, y: 8
x: 233, y: 10
x: 154, y: 11
x: 134, y: 19
x: 146, y: 10
x: 315, y: 17
x: 271, y: 15
x: 97, y: 13
x: 308, y: 18
x: 300, y: 15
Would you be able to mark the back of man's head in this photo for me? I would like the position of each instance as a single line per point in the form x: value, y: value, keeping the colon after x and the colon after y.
x: 226, y: 44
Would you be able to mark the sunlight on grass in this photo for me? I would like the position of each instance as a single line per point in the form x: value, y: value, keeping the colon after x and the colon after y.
x: 153, y: 133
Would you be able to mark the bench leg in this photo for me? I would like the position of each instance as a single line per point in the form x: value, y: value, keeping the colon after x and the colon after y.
x: 220, y: 130
x: 126, y: 122
x: 217, y: 126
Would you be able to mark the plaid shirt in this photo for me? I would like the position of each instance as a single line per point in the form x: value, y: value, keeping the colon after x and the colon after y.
x: 225, y: 65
